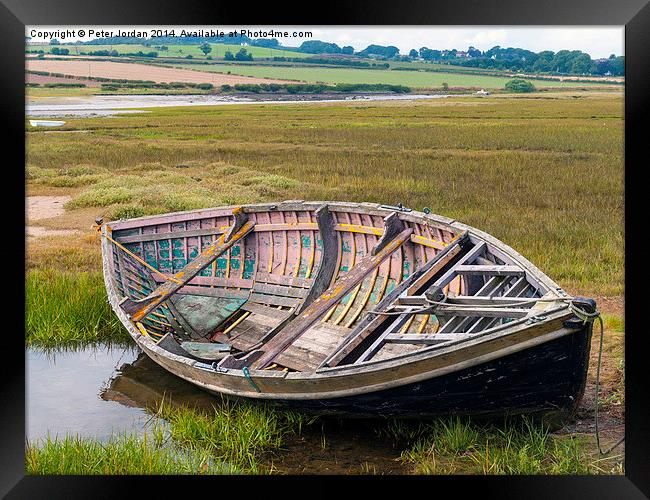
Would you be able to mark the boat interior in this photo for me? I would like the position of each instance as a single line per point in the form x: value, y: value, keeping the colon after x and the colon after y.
x: 303, y: 287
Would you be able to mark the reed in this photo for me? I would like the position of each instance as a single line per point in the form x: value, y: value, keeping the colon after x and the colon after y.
x: 66, y: 308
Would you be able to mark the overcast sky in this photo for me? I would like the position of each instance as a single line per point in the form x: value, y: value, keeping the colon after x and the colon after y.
x: 597, y: 41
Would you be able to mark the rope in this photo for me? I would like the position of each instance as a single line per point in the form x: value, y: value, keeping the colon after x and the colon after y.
x: 141, y: 261
x: 513, y: 303
x: 600, y: 353
x: 247, y: 374
x: 585, y: 316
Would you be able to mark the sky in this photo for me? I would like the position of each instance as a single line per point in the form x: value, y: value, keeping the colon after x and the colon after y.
x: 597, y: 41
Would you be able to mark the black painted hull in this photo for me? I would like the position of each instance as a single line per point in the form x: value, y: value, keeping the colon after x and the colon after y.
x: 547, y: 380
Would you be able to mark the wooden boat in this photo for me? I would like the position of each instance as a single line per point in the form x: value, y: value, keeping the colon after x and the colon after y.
x: 351, y: 308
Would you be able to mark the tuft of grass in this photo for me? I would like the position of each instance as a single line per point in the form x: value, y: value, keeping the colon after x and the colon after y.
x: 239, y: 433
x: 67, y: 308
x: 456, y: 446
x: 124, y: 454
x: 126, y: 212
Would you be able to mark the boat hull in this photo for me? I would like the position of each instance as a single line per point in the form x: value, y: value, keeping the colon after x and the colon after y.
x: 547, y: 380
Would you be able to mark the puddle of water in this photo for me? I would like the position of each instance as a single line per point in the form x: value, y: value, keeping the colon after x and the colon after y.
x: 46, y: 123
x: 111, y: 105
x: 64, y: 394
x: 98, y: 391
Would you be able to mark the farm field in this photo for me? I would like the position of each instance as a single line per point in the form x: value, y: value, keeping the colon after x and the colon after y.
x: 177, y: 50
x: 543, y: 173
x: 134, y: 71
x: 414, y: 79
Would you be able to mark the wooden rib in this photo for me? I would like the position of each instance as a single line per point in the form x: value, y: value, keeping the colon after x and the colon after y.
x: 296, y: 268
x: 312, y: 254
x: 407, y: 325
x: 353, y: 295
x: 384, y: 284
x: 285, y: 254
x: 271, y: 253
x: 354, y: 248
x: 365, y: 300
x: 425, y: 317
x: 236, y: 322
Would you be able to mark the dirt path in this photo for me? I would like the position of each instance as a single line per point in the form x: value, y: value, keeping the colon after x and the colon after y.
x: 45, y: 207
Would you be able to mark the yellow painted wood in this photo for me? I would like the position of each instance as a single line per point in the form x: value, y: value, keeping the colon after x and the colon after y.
x: 239, y: 320
x: 365, y: 300
x: 142, y: 329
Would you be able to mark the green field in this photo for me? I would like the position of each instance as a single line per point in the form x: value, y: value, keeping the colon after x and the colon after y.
x: 414, y: 79
x: 218, y: 50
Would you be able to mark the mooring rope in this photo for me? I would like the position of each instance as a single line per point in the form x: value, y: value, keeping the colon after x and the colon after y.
x: 591, y: 317
x: 585, y: 316
x: 247, y: 374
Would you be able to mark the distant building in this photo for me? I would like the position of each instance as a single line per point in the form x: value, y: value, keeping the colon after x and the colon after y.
x: 462, y: 53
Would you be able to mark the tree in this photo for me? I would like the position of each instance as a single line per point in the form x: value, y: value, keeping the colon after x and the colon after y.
x: 243, y: 55
x: 228, y: 56
x: 348, y: 49
x: 582, y: 64
x: 380, y: 50
x: 518, y: 85
x: 472, y: 52
x: 318, y: 47
x: 269, y: 43
x: 413, y: 53
x: 205, y: 48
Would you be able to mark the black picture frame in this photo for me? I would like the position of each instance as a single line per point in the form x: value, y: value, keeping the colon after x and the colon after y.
x: 633, y: 14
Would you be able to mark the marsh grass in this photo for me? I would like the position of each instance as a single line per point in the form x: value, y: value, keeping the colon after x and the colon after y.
x: 123, y: 454
x: 456, y: 446
x: 67, y: 308
x: 239, y: 433
x: 543, y: 175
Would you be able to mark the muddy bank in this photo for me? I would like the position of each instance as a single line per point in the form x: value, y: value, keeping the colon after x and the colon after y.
x: 106, y: 105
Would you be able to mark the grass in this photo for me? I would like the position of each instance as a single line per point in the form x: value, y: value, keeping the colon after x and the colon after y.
x: 125, y: 454
x: 455, y: 446
x: 232, y: 438
x: 66, y: 308
x: 414, y: 79
x: 543, y: 175
x: 239, y: 433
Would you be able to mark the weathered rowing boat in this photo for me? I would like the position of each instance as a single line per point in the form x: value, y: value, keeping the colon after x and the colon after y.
x: 347, y: 307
